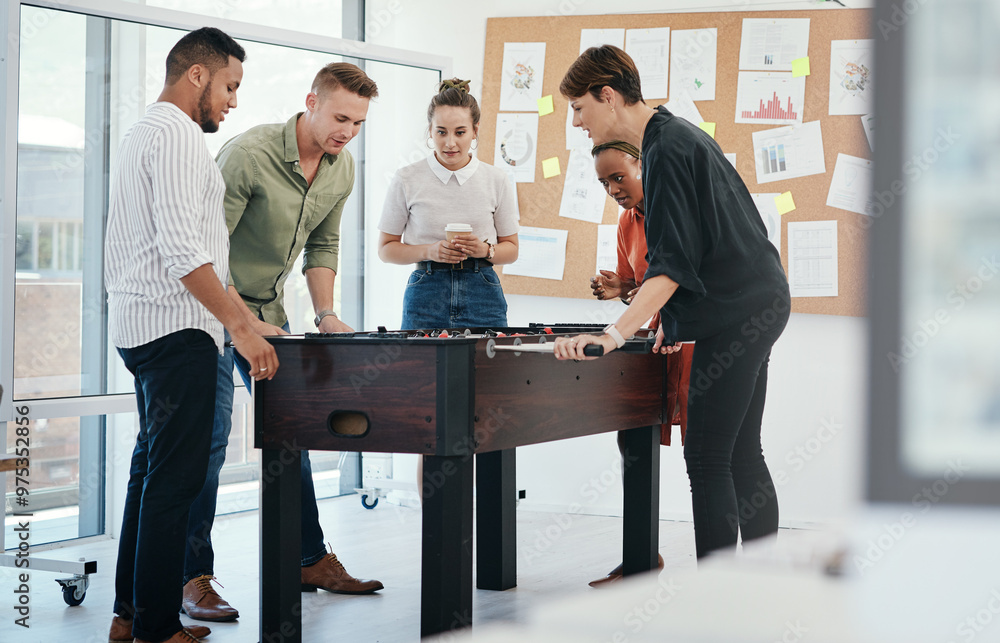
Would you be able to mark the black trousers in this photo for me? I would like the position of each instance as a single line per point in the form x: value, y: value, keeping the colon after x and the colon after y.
x: 175, y: 380
x: 731, y: 487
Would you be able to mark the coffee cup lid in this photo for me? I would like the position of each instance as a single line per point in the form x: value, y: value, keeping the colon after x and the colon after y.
x: 458, y: 227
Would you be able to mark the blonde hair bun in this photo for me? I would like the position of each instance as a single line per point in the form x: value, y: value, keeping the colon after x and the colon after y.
x: 454, y: 83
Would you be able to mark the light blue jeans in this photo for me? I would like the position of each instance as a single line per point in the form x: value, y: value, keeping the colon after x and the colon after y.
x: 199, y: 559
x: 451, y: 298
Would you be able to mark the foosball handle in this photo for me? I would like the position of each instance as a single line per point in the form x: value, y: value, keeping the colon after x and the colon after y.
x: 593, y: 350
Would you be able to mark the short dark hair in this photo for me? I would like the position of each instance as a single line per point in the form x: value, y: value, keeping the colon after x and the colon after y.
x: 602, y: 66
x: 207, y: 46
x: 350, y: 77
x: 454, y: 92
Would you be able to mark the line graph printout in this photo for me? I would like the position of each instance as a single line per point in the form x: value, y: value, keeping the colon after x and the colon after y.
x: 769, y: 98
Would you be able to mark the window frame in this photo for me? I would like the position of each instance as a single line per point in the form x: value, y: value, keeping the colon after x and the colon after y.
x: 157, y: 17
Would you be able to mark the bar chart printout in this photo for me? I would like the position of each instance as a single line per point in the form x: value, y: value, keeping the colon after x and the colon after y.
x: 788, y: 152
x: 769, y: 98
x: 773, y: 158
x: 772, y: 110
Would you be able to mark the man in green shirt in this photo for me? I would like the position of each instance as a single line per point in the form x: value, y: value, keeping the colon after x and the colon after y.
x: 286, y: 185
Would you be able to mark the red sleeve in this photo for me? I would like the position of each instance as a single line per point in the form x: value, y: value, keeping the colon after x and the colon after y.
x: 625, y: 272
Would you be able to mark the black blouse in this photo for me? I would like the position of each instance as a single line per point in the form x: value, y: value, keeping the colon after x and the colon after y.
x: 703, y: 231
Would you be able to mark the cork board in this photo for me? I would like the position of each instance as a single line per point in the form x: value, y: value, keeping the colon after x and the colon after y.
x: 539, y: 201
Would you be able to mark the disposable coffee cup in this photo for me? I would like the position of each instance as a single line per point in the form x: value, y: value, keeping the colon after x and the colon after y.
x: 453, y: 230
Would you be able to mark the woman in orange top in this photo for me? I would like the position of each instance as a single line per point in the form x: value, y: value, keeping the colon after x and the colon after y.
x: 618, y: 169
x: 617, y: 165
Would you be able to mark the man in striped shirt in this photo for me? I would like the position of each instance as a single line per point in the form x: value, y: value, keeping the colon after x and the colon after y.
x: 166, y: 271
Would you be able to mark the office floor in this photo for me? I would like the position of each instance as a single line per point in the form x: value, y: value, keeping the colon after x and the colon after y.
x: 557, y: 556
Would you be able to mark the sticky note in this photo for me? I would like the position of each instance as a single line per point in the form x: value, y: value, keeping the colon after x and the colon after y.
x: 784, y: 202
x: 800, y: 67
x: 545, y: 105
x: 709, y: 128
x: 550, y: 167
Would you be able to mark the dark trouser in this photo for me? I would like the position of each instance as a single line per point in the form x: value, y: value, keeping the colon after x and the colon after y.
x: 731, y: 487
x: 200, y: 556
x: 175, y: 378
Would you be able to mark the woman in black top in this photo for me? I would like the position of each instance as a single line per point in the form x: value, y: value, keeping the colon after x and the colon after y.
x: 716, y: 280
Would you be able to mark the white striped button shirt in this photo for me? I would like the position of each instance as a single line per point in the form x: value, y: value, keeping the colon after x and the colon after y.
x: 165, y: 218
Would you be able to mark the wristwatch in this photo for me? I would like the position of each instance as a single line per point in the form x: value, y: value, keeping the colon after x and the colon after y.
x: 322, y: 314
x: 492, y: 251
x: 614, y: 334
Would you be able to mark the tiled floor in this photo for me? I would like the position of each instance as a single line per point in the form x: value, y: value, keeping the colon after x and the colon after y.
x: 557, y: 556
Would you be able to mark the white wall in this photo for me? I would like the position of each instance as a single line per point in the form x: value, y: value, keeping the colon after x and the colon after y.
x: 813, y: 422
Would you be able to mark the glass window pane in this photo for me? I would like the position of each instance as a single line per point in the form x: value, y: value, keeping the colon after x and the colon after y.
x: 45, y: 245
x: 24, y: 249
x: 397, y: 136
x: 951, y: 299
x: 61, y: 508
x: 59, y: 325
x: 322, y: 17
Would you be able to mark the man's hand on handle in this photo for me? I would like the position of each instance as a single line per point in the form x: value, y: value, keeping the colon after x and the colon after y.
x: 332, y: 324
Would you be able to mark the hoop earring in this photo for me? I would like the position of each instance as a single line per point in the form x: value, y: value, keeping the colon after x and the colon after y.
x: 430, y: 143
x: 475, y: 144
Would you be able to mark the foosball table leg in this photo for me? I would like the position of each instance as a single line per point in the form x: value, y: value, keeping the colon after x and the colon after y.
x: 446, y: 575
x: 496, y: 525
x: 281, y: 546
x: 641, y: 510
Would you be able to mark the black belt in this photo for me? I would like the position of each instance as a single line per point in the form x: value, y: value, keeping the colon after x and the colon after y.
x: 467, y: 264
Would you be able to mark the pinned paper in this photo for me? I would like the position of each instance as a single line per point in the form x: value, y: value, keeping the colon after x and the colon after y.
x: 800, y: 67
x: 784, y: 202
x: 550, y: 168
x: 709, y: 128
x: 545, y: 106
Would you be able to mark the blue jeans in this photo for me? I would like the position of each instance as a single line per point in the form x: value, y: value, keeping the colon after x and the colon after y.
x: 200, y: 556
x: 731, y: 488
x: 447, y: 298
x: 175, y: 381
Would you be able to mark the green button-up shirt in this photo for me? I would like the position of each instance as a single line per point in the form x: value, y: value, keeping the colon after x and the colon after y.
x: 273, y: 214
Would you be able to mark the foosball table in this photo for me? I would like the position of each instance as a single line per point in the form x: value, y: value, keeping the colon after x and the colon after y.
x: 449, y: 396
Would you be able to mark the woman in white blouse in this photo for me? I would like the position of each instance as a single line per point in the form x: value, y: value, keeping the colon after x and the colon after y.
x: 453, y: 284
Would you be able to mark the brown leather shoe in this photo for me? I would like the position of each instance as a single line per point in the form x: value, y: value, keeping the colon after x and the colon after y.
x: 615, y: 575
x: 121, y: 631
x: 202, y: 603
x: 329, y: 574
x: 184, y: 636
